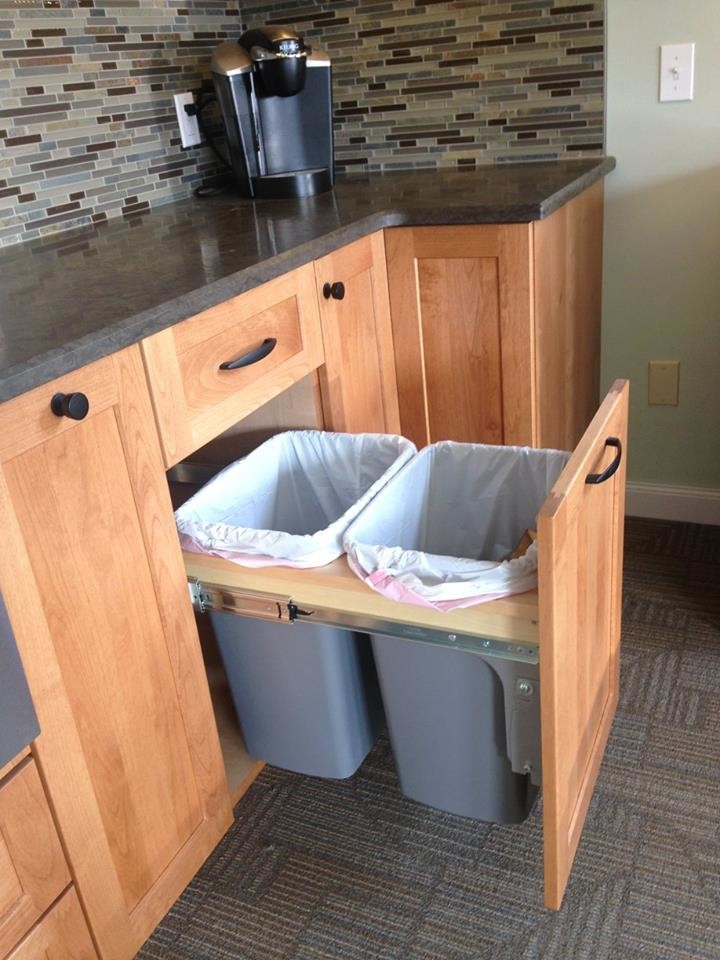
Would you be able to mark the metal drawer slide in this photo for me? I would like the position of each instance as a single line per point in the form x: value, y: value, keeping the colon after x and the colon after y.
x: 515, y: 664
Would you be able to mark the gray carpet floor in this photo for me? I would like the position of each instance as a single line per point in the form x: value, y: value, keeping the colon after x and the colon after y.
x: 314, y: 870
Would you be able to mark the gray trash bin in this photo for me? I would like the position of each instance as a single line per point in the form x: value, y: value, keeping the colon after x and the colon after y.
x: 442, y: 532
x: 446, y: 717
x: 306, y: 696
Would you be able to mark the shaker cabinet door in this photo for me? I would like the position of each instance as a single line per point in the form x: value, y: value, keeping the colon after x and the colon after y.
x: 62, y: 934
x: 357, y: 382
x: 95, y: 588
x: 580, y: 549
x: 462, y: 327
x: 33, y: 871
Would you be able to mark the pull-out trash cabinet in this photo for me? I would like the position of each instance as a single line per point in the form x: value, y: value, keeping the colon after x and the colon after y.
x: 569, y: 627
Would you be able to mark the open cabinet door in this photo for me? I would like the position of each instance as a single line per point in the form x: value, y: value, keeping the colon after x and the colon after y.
x: 580, y: 544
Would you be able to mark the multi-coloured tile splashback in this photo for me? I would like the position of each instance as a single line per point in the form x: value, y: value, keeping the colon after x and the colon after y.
x: 87, y: 125
x: 456, y: 82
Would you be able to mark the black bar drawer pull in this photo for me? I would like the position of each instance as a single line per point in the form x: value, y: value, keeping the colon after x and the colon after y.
x: 252, y: 356
x: 608, y: 471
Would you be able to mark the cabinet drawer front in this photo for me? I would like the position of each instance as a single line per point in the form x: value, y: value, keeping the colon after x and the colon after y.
x: 62, y: 934
x: 33, y: 871
x: 206, y: 383
x: 194, y: 399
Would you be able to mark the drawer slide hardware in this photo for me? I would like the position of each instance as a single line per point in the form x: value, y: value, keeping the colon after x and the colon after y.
x: 245, y: 604
x: 265, y: 606
x: 516, y: 665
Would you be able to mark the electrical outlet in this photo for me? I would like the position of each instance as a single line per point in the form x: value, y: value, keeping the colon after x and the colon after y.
x: 189, y: 130
x: 663, y: 382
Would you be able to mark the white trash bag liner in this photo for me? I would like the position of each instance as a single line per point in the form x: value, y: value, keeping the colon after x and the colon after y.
x: 442, y: 533
x: 289, y: 502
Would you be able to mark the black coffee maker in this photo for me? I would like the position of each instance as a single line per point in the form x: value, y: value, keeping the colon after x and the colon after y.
x: 275, y: 96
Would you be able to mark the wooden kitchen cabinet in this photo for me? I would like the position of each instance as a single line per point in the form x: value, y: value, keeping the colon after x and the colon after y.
x: 62, y: 934
x: 92, y: 575
x: 213, y: 369
x: 483, y: 333
x: 569, y: 628
x: 357, y: 382
x: 33, y: 871
x: 497, y: 327
x: 40, y: 915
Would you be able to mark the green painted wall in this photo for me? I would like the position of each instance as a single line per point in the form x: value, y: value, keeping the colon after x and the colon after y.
x: 661, y: 293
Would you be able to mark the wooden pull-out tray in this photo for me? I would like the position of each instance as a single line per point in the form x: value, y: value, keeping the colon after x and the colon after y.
x: 336, y: 588
x: 571, y: 623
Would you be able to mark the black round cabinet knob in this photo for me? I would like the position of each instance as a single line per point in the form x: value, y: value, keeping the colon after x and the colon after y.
x: 73, y: 405
x: 335, y: 290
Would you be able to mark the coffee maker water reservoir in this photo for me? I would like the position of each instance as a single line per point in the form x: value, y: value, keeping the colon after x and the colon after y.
x: 275, y: 97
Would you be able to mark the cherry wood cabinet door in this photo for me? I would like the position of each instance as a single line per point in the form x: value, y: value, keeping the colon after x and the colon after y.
x: 62, y: 934
x: 357, y: 383
x: 461, y: 310
x: 33, y: 871
x: 92, y: 575
x: 580, y: 548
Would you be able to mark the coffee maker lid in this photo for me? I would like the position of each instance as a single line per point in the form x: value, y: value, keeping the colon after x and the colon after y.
x: 274, y: 41
x: 230, y: 59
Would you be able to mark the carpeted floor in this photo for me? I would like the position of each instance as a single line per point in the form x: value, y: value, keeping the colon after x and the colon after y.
x: 314, y: 870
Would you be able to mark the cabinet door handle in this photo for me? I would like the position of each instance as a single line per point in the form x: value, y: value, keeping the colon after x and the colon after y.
x: 252, y: 356
x: 73, y: 405
x: 610, y: 470
x: 335, y: 290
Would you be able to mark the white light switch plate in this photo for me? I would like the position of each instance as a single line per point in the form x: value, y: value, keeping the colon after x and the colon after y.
x: 677, y: 68
x: 189, y: 130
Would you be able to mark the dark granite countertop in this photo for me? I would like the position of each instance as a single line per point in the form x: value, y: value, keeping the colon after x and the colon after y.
x: 79, y: 296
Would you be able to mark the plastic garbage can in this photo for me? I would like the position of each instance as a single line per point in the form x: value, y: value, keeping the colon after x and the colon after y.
x: 306, y: 696
x: 446, y: 719
x: 444, y: 530
x: 442, y: 533
x: 290, y: 501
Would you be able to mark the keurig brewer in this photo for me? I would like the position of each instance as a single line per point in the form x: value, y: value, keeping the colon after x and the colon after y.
x: 275, y: 98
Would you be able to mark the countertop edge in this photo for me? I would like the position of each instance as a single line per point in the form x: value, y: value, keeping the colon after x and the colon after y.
x: 50, y: 365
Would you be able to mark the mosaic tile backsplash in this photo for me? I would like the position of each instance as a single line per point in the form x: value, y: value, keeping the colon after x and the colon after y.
x: 456, y: 82
x: 87, y: 125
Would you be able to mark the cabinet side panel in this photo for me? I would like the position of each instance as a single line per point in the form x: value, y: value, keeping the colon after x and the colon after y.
x: 384, y: 334
x: 407, y: 336
x: 568, y: 276
x: 516, y: 334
